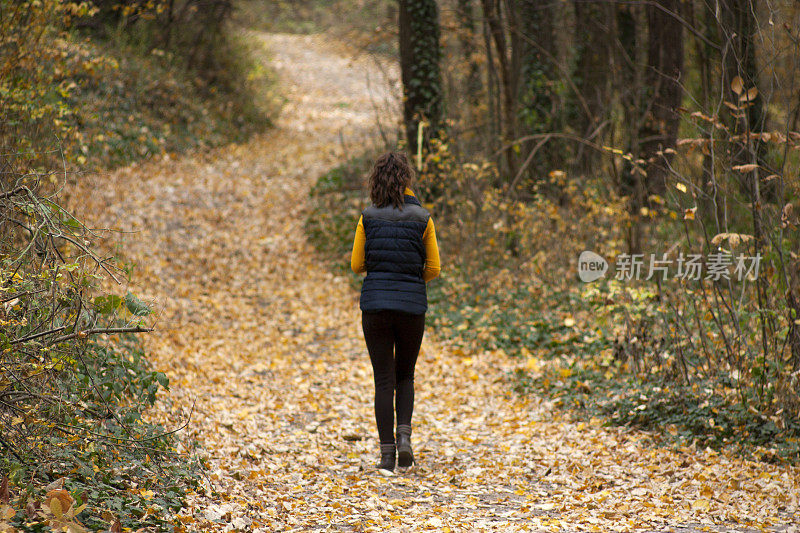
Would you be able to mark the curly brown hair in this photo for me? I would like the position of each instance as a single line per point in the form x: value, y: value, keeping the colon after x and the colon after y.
x: 389, y: 177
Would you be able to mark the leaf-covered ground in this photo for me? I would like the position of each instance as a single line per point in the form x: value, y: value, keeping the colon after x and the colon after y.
x: 265, y: 341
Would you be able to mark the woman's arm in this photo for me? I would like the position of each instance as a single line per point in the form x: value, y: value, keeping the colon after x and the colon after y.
x: 432, y: 267
x: 357, y: 257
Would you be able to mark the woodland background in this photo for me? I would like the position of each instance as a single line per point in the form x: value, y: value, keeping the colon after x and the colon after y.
x: 548, y: 128
x: 618, y: 127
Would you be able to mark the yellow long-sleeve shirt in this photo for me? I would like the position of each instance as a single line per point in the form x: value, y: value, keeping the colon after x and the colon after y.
x: 432, y: 267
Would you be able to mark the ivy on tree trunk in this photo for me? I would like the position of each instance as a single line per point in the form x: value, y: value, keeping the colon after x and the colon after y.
x: 420, y: 54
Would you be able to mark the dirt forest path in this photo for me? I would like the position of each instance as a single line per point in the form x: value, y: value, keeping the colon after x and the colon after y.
x: 267, y: 341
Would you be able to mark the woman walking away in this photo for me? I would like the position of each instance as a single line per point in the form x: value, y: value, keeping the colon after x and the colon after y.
x: 395, y: 245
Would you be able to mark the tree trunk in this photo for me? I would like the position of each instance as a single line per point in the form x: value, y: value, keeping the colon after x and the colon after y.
x: 592, y: 73
x: 701, y: 16
x: 492, y: 96
x: 419, y: 61
x: 533, y: 44
x: 737, y: 26
x: 492, y: 14
x: 466, y: 18
x: 659, y: 127
x: 628, y: 85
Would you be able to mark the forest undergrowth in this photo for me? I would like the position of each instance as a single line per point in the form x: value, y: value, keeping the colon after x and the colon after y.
x: 87, y: 87
x: 509, y: 282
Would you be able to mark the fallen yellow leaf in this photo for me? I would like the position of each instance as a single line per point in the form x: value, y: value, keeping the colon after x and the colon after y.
x: 701, y: 505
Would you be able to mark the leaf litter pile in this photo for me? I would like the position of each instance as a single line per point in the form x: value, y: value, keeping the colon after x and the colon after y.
x: 265, y: 342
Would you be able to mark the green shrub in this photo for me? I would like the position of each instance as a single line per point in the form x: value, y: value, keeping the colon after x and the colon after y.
x: 105, y: 96
x: 74, y: 381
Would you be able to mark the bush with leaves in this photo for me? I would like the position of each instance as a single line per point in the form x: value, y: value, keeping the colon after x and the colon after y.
x: 74, y: 380
x: 113, y: 94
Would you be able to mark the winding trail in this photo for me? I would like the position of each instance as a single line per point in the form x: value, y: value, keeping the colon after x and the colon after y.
x: 267, y: 342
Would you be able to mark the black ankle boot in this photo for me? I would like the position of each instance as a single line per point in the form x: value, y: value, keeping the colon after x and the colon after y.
x: 405, y: 456
x: 387, y: 457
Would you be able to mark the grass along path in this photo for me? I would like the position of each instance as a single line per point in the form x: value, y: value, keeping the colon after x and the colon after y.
x: 266, y: 340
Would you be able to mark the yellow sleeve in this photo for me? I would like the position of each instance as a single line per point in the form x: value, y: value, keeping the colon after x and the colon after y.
x: 432, y: 267
x: 357, y: 257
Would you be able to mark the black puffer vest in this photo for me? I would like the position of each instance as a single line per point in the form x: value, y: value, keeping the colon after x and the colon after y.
x: 395, y: 258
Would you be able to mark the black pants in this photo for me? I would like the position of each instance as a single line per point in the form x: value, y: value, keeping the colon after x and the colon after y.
x: 393, y: 341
